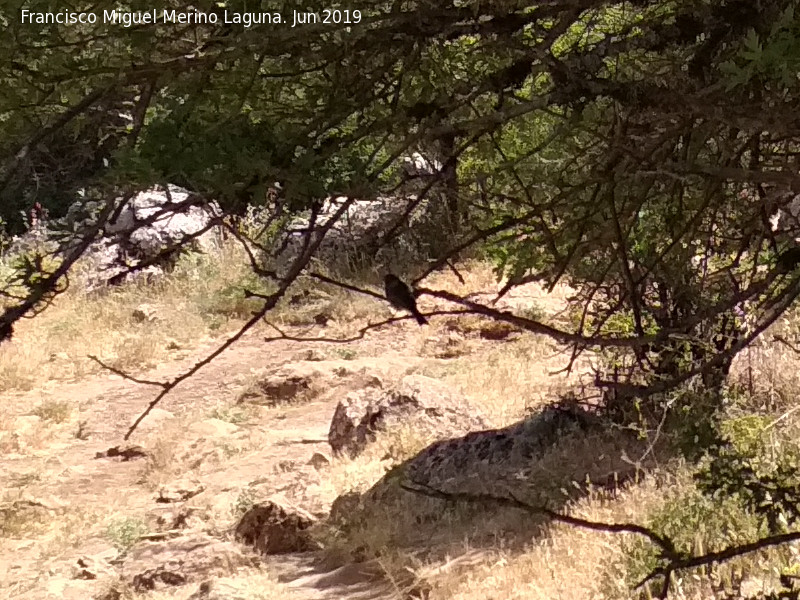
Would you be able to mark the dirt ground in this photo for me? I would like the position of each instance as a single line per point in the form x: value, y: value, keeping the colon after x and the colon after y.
x: 62, y: 502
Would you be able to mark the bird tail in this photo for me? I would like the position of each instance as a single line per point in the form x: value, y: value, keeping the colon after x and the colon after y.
x: 420, y: 319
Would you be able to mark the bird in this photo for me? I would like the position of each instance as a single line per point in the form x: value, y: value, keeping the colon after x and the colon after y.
x: 400, y: 296
x: 789, y: 260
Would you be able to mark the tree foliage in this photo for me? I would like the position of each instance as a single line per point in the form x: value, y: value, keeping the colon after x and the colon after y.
x: 635, y: 150
x: 638, y: 151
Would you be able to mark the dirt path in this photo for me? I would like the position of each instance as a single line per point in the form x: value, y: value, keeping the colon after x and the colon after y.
x: 64, y: 502
x: 81, y: 494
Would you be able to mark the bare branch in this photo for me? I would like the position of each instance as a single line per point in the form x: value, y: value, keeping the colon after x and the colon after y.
x: 665, y: 544
x: 124, y: 375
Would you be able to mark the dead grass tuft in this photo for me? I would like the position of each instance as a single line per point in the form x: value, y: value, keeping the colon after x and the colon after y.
x: 202, y: 297
x: 54, y: 411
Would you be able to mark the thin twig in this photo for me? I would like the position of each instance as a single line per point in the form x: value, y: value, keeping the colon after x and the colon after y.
x: 361, y: 331
x: 302, y: 260
x: 124, y: 375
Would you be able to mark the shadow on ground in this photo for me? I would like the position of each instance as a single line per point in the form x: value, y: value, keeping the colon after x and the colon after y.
x: 549, y: 459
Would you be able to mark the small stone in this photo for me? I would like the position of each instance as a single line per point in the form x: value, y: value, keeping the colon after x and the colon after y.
x: 319, y: 460
x: 144, y: 313
x: 179, y: 492
x: 274, y: 529
x: 124, y: 453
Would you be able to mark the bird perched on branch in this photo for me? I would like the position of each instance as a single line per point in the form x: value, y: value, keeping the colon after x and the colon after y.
x: 400, y: 296
x: 789, y: 260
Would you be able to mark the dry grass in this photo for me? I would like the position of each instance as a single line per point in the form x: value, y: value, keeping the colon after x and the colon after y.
x: 509, y: 380
x: 201, y: 298
x: 54, y: 529
x: 561, y: 561
x: 464, y: 552
x: 769, y: 370
x: 565, y: 564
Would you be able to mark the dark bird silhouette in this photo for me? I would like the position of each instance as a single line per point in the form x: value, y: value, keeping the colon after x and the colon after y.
x: 789, y: 260
x: 6, y: 331
x: 400, y: 296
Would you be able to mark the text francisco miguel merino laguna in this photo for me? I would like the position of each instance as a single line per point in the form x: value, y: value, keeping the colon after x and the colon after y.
x: 127, y: 19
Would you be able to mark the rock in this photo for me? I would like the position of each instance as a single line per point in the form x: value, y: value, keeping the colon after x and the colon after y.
x: 144, y: 313
x: 203, y: 592
x: 426, y: 402
x: 786, y: 217
x: 149, y: 223
x: 91, y: 567
x: 306, y: 381
x: 319, y: 460
x: 180, y: 519
x: 544, y: 460
x: 182, y: 560
x: 274, y: 529
x: 549, y: 455
x: 158, y: 218
x: 124, y: 453
x: 344, y: 507
x: 179, y: 492
x: 360, y: 228
x: 510, y: 449
x: 417, y: 165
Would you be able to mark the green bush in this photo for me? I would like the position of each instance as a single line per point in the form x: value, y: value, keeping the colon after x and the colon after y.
x: 125, y: 532
x: 697, y: 524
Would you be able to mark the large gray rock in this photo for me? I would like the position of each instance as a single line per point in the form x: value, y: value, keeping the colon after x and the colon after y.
x: 358, y: 228
x: 431, y: 406
x: 546, y: 459
x: 149, y: 223
x: 359, y: 234
x: 155, y: 219
x: 786, y: 218
x: 417, y: 165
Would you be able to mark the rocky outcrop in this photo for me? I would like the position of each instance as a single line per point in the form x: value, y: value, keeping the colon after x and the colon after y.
x: 545, y: 460
x: 144, y: 239
x: 429, y: 405
x: 478, y: 460
x: 360, y: 231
